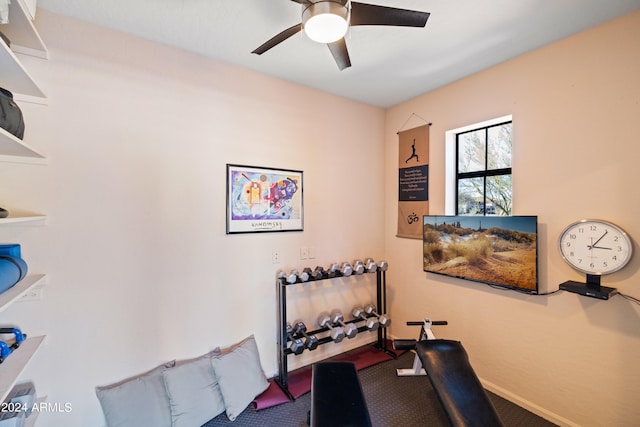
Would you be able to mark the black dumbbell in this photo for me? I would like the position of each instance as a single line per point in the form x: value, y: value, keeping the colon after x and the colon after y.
x: 303, y: 277
x: 350, y: 330
x: 370, y: 322
x: 383, y: 319
x: 297, y: 346
x: 317, y: 273
x: 310, y: 341
x: 336, y: 332
x: 308, y: 272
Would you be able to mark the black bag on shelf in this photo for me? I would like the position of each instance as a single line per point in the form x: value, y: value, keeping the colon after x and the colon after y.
x: 10, y: 114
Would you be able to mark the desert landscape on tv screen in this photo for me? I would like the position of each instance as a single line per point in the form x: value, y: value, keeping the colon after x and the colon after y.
x: 495, y: 250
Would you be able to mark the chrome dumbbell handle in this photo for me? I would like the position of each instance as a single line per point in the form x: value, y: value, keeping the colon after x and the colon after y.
x: 383, y: 319
x: 350, y: 329
x: 371, y: 323
x: 335, y: 332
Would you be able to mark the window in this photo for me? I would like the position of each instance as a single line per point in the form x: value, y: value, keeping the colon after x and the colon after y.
x: 483, y: 170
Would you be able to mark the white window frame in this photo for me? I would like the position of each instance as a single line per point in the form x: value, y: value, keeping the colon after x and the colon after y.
x: 450, y: 159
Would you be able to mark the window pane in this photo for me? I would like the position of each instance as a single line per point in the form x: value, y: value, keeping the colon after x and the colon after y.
x: 471, y: 151
x: 499, y: 195
x: 471, y: 196
x: 499, y: 146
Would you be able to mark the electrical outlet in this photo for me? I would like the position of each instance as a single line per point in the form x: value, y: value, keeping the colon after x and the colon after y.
x: 304, y: 252
x: 275, y: 257
x: 34, y: 294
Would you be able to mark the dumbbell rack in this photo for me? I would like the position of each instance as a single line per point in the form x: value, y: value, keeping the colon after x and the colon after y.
x: 284, y: 352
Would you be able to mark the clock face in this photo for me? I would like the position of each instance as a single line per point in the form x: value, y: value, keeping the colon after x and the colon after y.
x: 595, y: 247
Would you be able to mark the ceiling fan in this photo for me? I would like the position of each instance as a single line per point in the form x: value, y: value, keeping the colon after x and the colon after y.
x: 327, y: 21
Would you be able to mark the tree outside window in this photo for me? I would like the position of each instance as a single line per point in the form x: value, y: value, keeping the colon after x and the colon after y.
x: 483, y: 170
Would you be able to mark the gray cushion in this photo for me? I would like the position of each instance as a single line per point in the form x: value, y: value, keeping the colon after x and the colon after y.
x: 240, y: 376
x: 137, y: 401
x: 193, y: 391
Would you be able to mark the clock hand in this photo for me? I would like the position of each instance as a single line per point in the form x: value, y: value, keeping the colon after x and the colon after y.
x: 593, y: 245
x: 599, y: 247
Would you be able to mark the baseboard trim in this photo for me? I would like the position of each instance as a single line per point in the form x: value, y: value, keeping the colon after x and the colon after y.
x: 528, y: 405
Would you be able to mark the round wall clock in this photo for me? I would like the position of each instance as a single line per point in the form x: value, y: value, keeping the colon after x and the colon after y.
x: 595, y: 247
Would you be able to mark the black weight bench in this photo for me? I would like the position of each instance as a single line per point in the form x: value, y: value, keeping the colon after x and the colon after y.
x: 336, y: 396
x: 455, y: 382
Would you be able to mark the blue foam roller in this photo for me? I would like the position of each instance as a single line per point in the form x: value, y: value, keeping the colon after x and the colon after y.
x: 21, y: 264
x: 12, y: 270
x: 10, y: 249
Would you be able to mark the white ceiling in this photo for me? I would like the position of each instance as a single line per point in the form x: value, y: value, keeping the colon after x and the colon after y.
x: 389, y: 64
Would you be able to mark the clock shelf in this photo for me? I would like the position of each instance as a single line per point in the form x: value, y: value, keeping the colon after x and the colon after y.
x: 594, y: 247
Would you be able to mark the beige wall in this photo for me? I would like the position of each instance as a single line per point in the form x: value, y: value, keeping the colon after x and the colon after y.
x: 140, y: 270
x: 575, y: 107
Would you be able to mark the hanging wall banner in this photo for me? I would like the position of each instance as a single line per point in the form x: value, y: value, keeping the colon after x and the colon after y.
x: 413, y: 181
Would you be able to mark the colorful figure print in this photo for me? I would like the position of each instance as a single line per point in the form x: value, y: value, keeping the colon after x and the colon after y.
x: 263, y: 196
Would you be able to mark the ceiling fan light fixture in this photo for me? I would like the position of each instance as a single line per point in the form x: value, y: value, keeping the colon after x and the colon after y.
x: 325, y: 21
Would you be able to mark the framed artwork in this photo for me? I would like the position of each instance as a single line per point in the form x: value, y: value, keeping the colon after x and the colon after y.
x: 261, y: 199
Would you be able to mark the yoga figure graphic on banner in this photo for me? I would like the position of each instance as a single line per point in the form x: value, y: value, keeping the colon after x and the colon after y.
x: 413, y: 152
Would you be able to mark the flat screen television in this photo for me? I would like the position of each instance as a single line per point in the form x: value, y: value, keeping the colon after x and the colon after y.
x: 496, y: 250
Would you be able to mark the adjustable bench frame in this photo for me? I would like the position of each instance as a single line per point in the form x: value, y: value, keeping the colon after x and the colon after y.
x: 446, y: 364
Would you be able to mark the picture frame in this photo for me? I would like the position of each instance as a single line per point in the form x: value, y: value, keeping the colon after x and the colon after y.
x: 264, y: 199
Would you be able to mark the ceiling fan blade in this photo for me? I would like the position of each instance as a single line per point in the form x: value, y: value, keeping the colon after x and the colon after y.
x: 371, y: 14
x: 277, y: 39
x: 302, y: 1
x: 340, y: 53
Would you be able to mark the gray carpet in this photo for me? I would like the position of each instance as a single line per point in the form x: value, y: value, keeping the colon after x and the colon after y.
x: 392, y: 402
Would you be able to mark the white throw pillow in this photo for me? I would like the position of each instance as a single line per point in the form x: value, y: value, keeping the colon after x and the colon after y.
x: 239, y: 376
x: 193, y: 391
x: 137, y: 401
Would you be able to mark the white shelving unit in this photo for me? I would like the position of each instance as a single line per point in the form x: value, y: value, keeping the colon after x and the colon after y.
x: 20, y: 217
x: 17, y: 361
x: 11, y: 295
x: 22, y: 33
x: 12, y: 149
x: 31, y: 419
x: 24, y: 39
x: 14, y: 77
